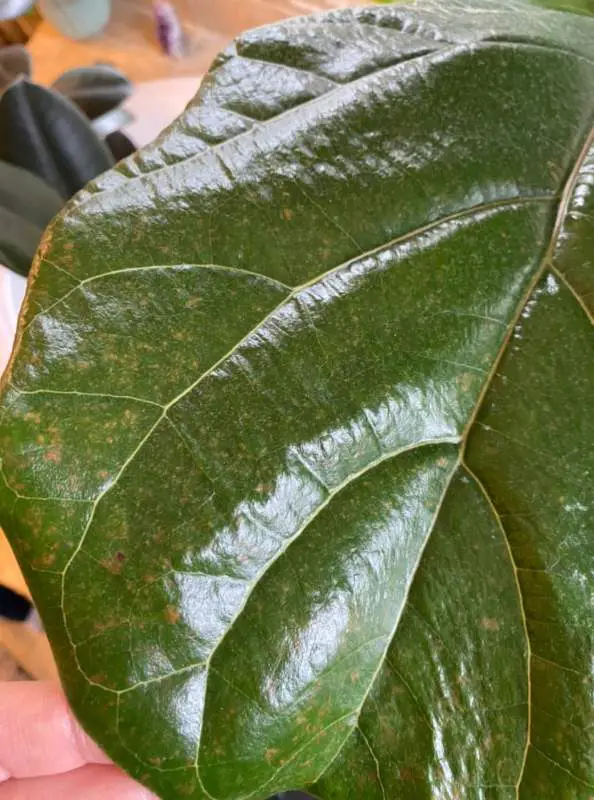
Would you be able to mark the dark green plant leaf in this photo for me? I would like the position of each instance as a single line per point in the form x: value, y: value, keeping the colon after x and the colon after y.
x: 19, y: 239
x: 99, y: 92
x: 95, y: 90
x: 297, y: 444
x: 47, y: 135
x: 27, y: 195
x: 27, y: 205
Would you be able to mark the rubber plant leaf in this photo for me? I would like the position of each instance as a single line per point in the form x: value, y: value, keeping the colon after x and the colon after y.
x: 99, y: 92
x: 47, y: 135
x: 19, y: 239
x: 297, y: 441
x: 95, y: 90
x: 27, y: 205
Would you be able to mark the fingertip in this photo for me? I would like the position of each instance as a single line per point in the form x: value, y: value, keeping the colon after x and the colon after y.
x: 39, y: 734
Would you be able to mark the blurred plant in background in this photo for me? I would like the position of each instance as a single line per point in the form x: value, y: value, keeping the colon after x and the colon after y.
x: 52, y: 142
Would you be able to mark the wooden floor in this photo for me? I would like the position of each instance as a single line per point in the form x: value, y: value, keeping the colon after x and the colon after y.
x: 129, y: 41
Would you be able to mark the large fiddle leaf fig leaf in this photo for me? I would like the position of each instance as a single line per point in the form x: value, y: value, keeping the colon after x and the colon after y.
x: 297, y: 440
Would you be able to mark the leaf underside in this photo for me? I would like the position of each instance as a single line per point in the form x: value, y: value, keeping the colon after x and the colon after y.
x: 297, y: 440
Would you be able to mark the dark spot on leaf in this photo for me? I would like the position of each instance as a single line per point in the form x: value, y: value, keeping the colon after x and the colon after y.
x: 172, y: 615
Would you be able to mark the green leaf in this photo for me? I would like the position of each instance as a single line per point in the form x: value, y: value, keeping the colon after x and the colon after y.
x: 47, y: 135
x: 27, y: 205
x: 95, y: 90
x: 575, y: 6
x: 19, y: 239
x: 99, y: 92
x: 27, y: 195
x: 297, y: 447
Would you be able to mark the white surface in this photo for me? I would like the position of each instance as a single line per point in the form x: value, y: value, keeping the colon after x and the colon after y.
x: 12, y: 290
x: 154, y: 105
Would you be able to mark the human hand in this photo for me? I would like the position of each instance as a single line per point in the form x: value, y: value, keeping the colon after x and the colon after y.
x: 45, y: 754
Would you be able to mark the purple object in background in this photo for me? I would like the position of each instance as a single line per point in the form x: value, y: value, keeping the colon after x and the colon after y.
x: 169, y: 29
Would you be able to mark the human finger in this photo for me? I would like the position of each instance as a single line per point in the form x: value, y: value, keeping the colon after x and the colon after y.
x: 93, y: 782
x: 38, y: 733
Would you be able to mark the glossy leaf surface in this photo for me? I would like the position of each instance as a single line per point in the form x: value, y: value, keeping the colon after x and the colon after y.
x: 297, y: 442
x: 572, y: 6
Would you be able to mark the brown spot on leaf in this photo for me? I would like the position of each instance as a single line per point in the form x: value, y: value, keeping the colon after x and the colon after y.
x: 489, y: 624
x: 53, y: 456
x: 113, y: 565
x: 287, y: 214
x: 271, y: 754
x: 172, y: 615
x: 47, y: 560
x: 100, y: 626
x: 355, y: 677
x: 407, y: 774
